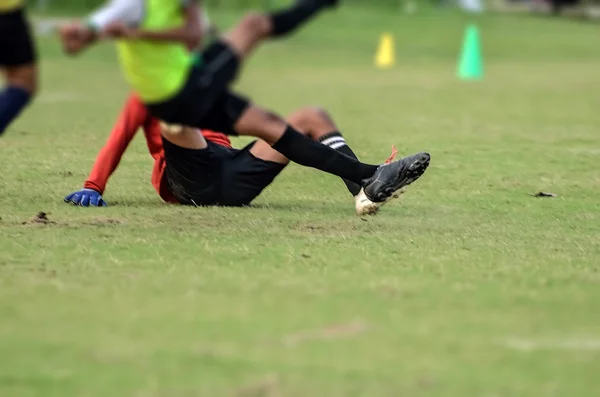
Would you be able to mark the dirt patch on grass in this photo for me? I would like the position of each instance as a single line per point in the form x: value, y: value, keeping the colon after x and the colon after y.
x: 42, y: 269
x: 41, y: 218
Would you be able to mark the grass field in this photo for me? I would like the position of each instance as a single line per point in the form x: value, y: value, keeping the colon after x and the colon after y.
x: 467, y: 287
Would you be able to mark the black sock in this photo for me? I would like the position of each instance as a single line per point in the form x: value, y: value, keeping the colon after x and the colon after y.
x: 336, y: 141
x: 12, y: 101
x: 291, y: 18
x: 304, y: 151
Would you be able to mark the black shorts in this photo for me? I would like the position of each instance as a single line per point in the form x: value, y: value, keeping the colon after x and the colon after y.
x: 16, y: 44
x: 217, y: 175
x: 205, y: 101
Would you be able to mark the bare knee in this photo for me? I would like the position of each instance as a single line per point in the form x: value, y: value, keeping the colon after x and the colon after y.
x: 312, y: 121
x: 256, y: 24
x: 25, y: 77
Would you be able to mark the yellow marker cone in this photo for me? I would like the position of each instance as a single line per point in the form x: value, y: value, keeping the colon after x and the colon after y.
x: 386, y: 56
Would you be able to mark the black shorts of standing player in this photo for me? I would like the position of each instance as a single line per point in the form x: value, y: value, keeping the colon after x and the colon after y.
x: 217, y: 175
x: 16, y: 43
x: 205, y: 101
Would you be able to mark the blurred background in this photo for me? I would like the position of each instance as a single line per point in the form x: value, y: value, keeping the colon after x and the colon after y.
x: 581, y: 8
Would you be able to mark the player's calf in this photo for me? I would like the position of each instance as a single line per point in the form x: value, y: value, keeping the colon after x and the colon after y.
x: 290, y: 19
x: 319, y: 125
x: 21, y: 86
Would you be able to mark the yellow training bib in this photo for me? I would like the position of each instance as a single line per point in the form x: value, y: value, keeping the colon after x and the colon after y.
x: 156, y: 70
x: 10, y: 5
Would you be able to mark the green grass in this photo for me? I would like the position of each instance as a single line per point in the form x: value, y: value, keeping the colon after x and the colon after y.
x: 467, y: 287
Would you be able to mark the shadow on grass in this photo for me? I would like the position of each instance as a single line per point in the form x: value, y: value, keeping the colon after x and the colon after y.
x: 291, y: 207
x: 306, y: 207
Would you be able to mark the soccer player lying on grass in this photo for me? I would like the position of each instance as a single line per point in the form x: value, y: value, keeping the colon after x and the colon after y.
x: 180, y: 89
x: 235, y: 177
x: 18, y: 60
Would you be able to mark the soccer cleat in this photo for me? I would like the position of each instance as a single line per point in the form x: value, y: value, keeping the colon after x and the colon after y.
x: 391, y: 177
x: 364, y: 206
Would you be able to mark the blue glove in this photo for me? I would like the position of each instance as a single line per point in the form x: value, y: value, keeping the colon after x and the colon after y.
x: 86, y: 198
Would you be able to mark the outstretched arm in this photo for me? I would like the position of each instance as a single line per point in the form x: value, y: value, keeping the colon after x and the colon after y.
x: 119, y: 19
x: 76, y: 36
x: 131, y: 119
x: 133, y: 116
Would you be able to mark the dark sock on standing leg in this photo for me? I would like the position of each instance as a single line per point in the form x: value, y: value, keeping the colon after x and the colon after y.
x: 285, y: 21
x: 336, y: 141
x: 304, y: 151
x: 12, y: 101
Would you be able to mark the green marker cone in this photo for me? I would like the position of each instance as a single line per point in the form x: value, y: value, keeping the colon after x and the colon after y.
x: 470, y: 65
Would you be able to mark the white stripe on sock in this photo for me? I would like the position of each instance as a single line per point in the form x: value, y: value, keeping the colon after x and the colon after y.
x: 332, y: 140
x: 338, y: 145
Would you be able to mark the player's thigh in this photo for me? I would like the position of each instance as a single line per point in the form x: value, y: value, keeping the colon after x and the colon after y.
x: 18, y: 56
x: 206, y: 98
x: 225, y: 113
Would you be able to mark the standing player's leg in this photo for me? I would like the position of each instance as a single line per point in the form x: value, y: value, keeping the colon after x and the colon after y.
x: 18, y: 61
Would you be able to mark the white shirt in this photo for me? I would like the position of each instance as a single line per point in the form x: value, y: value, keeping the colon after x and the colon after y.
x: 130, y: 12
